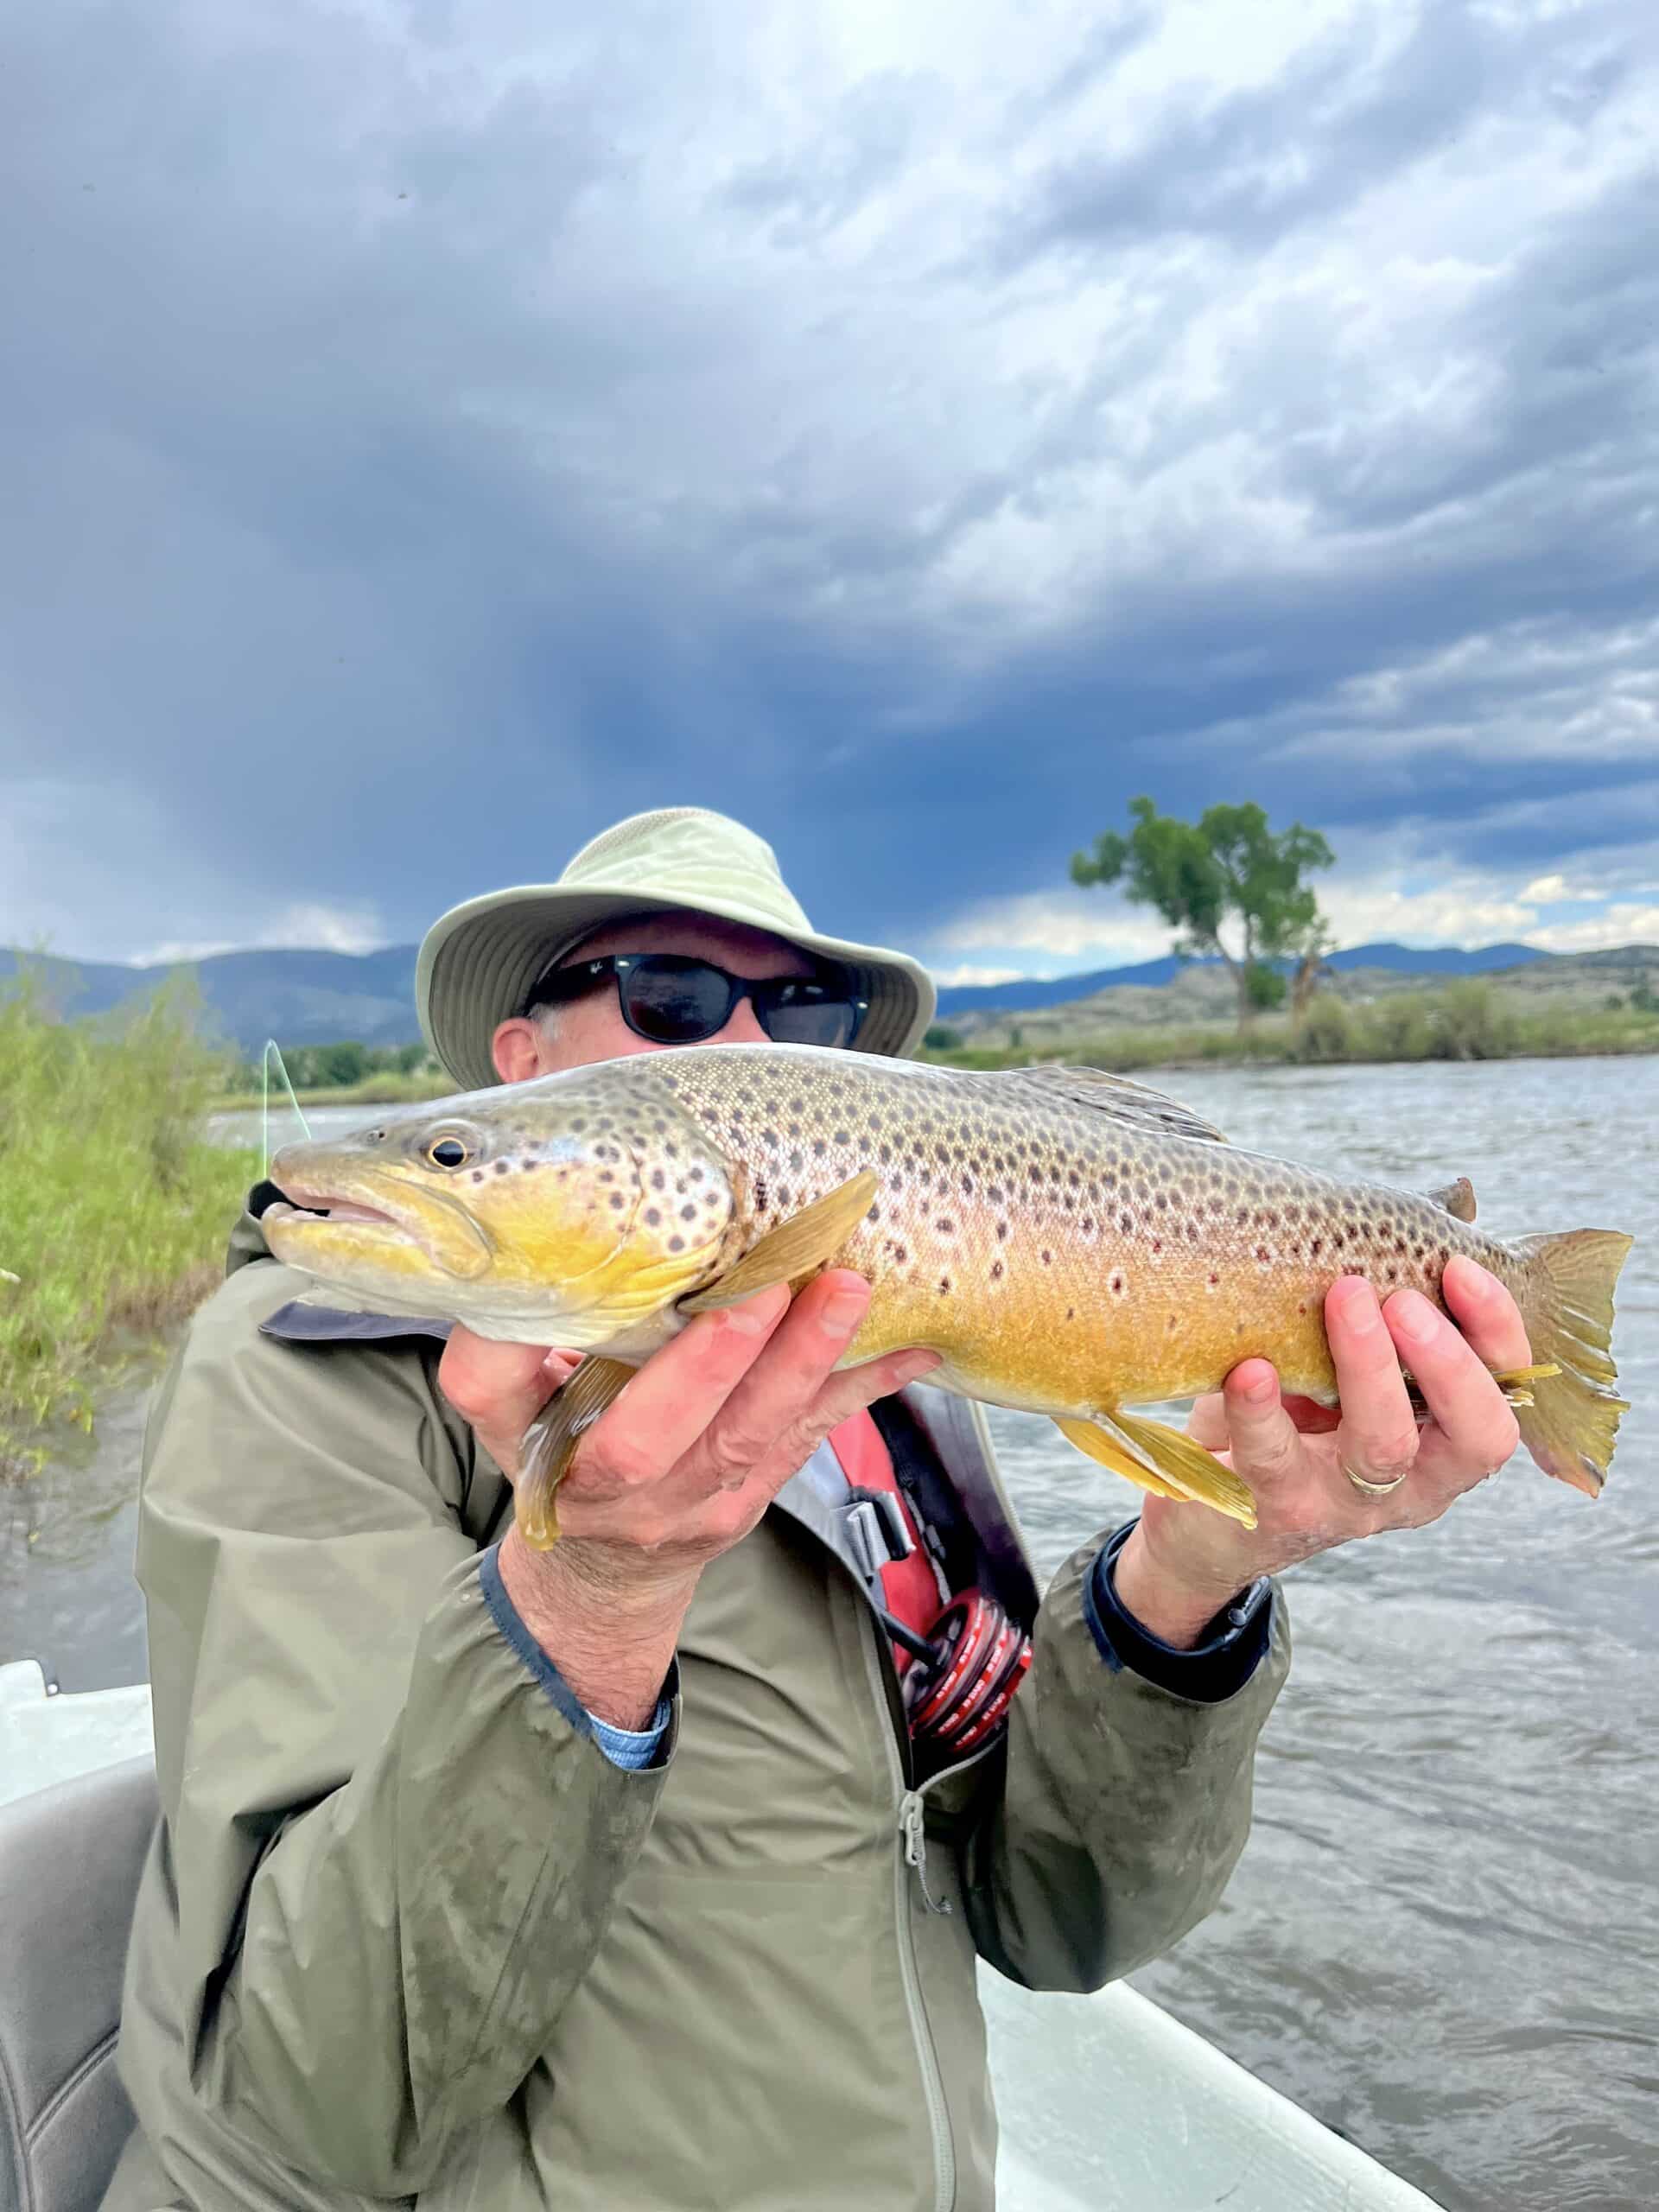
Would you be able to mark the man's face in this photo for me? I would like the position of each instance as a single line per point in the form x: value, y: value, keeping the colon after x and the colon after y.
x: 592, y: 1028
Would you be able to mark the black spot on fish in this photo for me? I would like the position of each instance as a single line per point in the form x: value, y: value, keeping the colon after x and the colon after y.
x: 677, y: 1244
x: 652, y: 1216
x: 617, y: 1202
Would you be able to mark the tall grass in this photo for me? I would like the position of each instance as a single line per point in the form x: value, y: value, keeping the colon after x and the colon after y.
x: 113, y: 1210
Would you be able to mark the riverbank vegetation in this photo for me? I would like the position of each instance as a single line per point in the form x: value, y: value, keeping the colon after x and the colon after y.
x: 114, y: 1211
x: 345, y: 1074
x: 1468, y: 1020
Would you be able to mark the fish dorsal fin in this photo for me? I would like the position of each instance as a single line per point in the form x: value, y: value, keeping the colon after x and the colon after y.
x: 796, y: 1249
x: 1134, y: 1102
x: 1458, y: 1198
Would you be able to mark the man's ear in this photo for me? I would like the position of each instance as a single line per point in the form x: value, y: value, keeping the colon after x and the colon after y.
x: 515, y: 1048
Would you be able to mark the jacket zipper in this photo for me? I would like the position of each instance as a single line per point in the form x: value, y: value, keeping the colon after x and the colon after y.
x: 938, y: 2119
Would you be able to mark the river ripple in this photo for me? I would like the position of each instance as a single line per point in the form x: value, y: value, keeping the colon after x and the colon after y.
x: 1443, y: 1937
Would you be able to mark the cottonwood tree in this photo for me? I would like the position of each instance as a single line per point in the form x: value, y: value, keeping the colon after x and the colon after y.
x: 1225, y: 872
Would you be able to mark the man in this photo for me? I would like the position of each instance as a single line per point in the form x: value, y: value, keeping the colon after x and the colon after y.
x: 459, y: 1896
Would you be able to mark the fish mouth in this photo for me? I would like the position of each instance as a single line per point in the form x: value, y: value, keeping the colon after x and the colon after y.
x: 445, y: 1233
x: 323, y: 1206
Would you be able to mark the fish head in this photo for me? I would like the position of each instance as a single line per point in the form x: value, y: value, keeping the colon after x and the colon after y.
x: 566, y: 1210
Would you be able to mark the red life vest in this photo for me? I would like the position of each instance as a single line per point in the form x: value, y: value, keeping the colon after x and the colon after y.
x: 909, y: 1587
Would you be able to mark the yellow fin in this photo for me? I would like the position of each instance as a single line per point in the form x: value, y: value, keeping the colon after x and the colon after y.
x: 1094, y: 1443
x: 1189, y: 1470
x: 1516, y: 1383
x: 1569, y: 1304
x: 795, y: 1248
x: 550, y: 1441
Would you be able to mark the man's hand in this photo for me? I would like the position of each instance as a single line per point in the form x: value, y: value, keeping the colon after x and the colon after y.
x: 676, y: 1471
x: 1183, y: 1562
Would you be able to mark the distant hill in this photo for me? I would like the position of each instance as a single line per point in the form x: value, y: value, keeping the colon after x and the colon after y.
x: 1026, y: 993
x: 322, y: 998
x: 299, y: 998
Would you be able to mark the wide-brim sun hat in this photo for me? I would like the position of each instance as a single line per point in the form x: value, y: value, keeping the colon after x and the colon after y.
x: 479, y: 960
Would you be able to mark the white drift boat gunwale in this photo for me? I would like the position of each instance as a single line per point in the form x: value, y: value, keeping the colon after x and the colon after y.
x: 1146, y: 2116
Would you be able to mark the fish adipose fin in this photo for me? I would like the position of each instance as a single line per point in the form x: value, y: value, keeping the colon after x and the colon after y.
x: 1568, y: 1302
x: 1456, y: 1199
x: 796, y: 1249
x: 551, y: 1442
x: 1134, y: 1102
x: 1162, y: 1460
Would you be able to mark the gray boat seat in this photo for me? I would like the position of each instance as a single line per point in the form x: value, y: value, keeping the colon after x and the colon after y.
x: 70, y: 1857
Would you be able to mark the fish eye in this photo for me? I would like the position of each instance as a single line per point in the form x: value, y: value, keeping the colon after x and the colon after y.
x: 447, y: 1152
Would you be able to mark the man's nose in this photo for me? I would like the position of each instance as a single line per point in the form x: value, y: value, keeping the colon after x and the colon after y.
x: 743, y: 1028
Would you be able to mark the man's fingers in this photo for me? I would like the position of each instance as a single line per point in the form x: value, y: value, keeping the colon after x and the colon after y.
x: 1207, y: 1422
x: 1261, y: 1433
x: 1488, y: 1316
x: 777, y: 1391
x: 842, y: 1395
x: 1478, y: 1431
x: 498, y: 1388
x: 1378, y: 1437
x: 671, y: 1403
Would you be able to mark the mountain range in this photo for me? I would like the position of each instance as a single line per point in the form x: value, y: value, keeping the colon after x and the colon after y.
x: 319, y: 998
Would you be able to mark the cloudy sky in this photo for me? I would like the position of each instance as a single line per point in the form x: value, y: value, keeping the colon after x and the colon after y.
x: 429, y: 431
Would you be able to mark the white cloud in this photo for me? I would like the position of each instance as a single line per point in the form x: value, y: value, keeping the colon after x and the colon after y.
x: 1624, y: 924
x: 1056, y: 925
x: 951, y: 978
x: 310, y: 927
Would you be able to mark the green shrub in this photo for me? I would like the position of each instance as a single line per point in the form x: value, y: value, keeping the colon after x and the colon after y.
x: 113, y: 1210
x: 1328, y: 1031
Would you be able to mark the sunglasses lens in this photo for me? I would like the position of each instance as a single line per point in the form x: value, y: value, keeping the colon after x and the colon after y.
x: 809, y: 1013
x: 676, y: 1004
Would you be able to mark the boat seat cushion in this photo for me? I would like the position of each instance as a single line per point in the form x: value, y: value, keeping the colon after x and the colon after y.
x: 69, y: 1865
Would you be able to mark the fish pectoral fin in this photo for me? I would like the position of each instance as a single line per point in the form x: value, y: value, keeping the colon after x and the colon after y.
x: 796, y: 1249
x: 551, y: 1442
x: 1187, y: 1468
x: 1456, y: 1199
x: 1105, y: 1450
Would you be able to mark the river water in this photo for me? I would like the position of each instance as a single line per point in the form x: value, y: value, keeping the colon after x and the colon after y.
x: 1443, y: 1937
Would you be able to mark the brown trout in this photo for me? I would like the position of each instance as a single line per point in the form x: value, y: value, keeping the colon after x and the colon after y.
x: 1069, y: 1241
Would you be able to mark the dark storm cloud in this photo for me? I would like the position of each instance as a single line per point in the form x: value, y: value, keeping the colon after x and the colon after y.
x: 429, y: 434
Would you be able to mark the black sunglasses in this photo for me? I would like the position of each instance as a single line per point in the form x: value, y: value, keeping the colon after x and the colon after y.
x: 674, y: 1000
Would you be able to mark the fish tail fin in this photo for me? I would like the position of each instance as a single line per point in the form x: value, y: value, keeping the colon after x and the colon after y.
x: 1570, y: 1427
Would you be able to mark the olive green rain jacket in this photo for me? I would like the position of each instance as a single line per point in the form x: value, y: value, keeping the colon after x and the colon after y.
x: 405, y: 1932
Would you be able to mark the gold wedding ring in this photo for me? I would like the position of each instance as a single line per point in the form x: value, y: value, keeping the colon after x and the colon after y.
x: 1372, y: 1489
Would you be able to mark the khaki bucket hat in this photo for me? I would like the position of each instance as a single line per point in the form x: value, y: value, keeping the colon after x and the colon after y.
x: 477, y: 961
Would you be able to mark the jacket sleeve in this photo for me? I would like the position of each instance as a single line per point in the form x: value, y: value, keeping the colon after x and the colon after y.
x: 390, y: 1842
x: 1121, y: 1807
